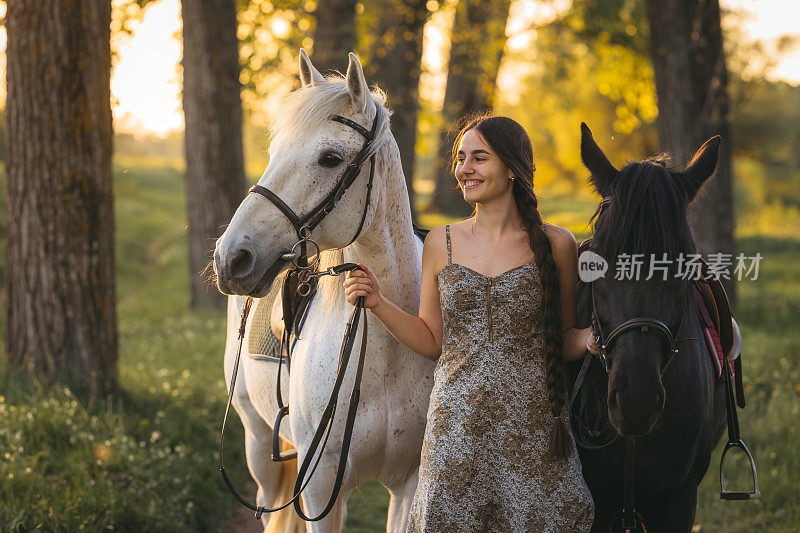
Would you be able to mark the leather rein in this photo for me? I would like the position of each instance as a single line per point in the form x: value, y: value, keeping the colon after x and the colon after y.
x: 305, y: 274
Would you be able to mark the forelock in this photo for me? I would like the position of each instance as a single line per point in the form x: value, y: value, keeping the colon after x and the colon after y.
x: 309, y: 107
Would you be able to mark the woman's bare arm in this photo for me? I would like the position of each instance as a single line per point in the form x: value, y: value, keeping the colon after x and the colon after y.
x: 565, y: 255
x: 423, y: 333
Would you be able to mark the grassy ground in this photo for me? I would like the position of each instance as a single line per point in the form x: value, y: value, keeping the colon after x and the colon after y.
x: 146, y: 459
x: 768, y: 310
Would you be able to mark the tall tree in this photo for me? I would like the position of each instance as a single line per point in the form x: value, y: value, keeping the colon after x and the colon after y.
x: 61, y: 314
x: 691, y: 84
x: 334, y: 34
x: 477, y: 41
x: 394, y: 63
x: 215, y: 182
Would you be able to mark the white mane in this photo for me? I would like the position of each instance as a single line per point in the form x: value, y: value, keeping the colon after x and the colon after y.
x: 310, y: 107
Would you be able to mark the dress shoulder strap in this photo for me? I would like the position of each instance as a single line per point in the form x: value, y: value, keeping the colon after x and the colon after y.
x: 447, y: 234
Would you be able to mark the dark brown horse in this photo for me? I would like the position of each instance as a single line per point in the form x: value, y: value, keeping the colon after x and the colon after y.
x: 676, y: 412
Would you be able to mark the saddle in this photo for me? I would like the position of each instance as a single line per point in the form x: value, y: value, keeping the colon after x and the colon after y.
x: 719, y: 310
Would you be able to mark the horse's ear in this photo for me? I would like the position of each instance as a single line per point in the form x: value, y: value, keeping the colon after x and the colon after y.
x: 700, y: 168
x: 309, y: 75
x: 603, y: 172
x: 357, y: 84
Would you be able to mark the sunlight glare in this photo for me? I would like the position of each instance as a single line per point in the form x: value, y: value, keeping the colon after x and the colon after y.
x: 145, y: 85
x: 768, y: 21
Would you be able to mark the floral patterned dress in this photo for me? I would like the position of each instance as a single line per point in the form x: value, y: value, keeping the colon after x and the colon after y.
x: 483, y: 466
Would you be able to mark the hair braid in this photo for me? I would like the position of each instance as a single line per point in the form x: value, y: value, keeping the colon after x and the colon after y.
x: 527, y: 204
x: 511, y: 143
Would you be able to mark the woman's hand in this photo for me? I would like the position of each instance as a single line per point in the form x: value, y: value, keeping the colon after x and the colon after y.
x: 591, y: 344
x: 362, y: 282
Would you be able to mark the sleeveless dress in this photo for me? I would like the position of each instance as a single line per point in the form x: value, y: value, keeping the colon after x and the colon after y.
x: 483, y: 466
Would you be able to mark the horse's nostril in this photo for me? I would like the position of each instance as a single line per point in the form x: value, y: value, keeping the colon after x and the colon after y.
x: 242, y: 263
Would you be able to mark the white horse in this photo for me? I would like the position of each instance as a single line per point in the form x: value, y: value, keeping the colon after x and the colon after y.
x: 389, y: 426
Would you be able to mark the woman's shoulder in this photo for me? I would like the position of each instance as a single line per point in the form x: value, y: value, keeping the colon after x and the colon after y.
x: 434, y: 250
x: 560, y: 238
x: 435, y: 235
x: 438, y: 233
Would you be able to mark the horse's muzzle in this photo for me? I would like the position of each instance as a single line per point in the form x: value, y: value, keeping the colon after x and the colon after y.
x: 634, y: 415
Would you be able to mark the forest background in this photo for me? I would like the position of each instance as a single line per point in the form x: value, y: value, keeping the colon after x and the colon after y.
x: 143, y: 457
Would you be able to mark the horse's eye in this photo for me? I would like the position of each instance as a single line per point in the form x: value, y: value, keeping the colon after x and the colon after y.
x: 330, y: 160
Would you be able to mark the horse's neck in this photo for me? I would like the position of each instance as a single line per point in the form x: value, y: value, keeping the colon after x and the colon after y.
x: 388, y: 244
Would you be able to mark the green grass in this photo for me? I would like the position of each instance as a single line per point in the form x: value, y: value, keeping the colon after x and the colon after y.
x: 145, y: 460
x: 768, y: 310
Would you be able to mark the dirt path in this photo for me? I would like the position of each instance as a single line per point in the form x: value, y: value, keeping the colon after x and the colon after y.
x: 241, y: 522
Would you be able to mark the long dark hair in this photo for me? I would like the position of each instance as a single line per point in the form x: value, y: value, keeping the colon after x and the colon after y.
x: 511, y: 143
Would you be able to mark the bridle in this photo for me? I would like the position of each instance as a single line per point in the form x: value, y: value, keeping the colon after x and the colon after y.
x: 306, y: 274
x: 642, y: 323
x: 630, y: 517
x: 304, y: 225
x: 589, y: 437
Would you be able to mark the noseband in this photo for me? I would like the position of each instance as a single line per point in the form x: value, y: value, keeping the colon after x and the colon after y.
x: 643, y: 323
x: 305, y: 225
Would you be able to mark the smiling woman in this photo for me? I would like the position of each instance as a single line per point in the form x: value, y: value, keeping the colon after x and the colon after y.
x: 497, y: 312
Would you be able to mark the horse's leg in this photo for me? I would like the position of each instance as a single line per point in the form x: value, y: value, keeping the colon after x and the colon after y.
x: 275, y: 480
x: 316, y: 495
x: 672, y: 515
x: 400, y: 504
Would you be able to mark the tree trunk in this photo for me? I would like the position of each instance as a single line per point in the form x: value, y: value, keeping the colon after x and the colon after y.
x: 215, y: 182
x: 334, y: 34
x: 394, y: 63
x: 477, y: 41
x: 691, y: 84
x: 61, y: 314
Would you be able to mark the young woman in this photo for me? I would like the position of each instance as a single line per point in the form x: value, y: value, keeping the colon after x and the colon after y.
x: 497, y: 309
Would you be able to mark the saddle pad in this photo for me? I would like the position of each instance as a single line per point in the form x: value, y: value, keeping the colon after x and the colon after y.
x: 710, y: 334
x: 261, y: 341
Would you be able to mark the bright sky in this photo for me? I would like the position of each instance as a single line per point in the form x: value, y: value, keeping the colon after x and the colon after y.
x: 145, y: 82
x: 767, y: 20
